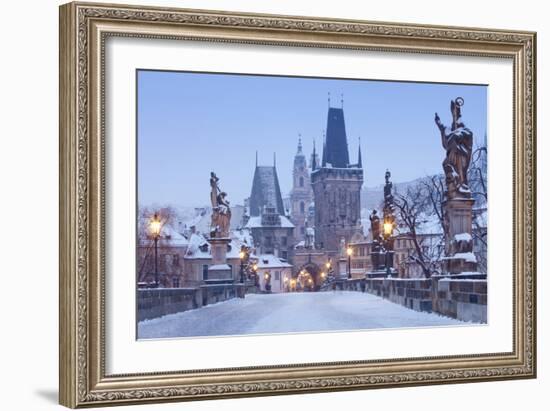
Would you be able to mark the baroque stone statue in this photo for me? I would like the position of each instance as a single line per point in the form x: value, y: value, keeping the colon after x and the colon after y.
x: 221, y: 210
x: 457, y: 142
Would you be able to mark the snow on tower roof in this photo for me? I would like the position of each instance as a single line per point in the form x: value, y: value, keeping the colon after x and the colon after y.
x: 265, y: 191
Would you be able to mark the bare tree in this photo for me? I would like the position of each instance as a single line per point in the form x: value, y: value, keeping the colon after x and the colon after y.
x: 477, y: 175
x: 434, y: 187
x: 413, y: 210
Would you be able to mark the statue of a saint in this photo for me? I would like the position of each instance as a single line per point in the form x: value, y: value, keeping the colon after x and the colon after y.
x: 221, y: 210
x: 457, y: 142
x: 214, y: 189
x: 224, y: 214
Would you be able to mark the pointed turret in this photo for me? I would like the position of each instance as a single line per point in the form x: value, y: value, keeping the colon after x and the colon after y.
x: 313, y: 158
x: 359, y: 159
x: 266, y: 191
x: 335, y: 151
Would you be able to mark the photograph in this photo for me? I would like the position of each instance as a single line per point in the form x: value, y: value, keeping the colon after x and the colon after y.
x: 265, y: 202
x: 270, y: 204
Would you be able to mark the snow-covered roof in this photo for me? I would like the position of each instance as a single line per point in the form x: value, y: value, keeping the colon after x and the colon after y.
x: 256, y: 222
x: 243, y: 236
x: 271, y: 261
x: 196, y: 241
x: 169, y: 237
x: 172, y: 237
x: 219, y: 267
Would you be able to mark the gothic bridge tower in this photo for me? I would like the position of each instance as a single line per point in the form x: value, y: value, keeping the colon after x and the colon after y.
x: 336, y: 187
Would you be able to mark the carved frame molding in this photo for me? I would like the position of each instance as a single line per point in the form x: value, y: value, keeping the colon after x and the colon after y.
x: 83, y: 30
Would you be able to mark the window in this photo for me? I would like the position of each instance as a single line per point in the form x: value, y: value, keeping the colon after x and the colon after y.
x: 176, y: 260
x: 302, y: 230
x: 284, y: 241
x: 277, y: 276
x: 302, y: 207
x: 284, y: 255
x: 301, y: 181
x: 175, y: 282
x: 205, y: 272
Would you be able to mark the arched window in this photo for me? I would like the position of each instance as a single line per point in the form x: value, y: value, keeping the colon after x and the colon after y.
x: 301, y: 181
x: 302, y: 207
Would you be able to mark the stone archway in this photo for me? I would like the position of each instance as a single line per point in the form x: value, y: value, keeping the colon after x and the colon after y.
x: 309, y: 275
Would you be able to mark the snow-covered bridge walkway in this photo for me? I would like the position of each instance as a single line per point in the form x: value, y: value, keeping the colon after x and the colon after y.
x: 292, y: 312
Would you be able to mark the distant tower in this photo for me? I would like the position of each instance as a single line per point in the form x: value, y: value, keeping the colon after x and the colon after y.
x: 265, y: 190
x: 301, y: 194
x: 336, y: 187
x: 272, y: 232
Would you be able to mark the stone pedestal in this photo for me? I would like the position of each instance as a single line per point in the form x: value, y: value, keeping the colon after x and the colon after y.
x: 459, y: 256
x: 219, y: 271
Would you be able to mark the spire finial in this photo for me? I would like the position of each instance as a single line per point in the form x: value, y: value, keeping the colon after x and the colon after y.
x: 329, y: 99
x: 299, y: 143
x: 274, y: 160
x: 256, y: 158
x: 313, y: 157
x: 342, y: 100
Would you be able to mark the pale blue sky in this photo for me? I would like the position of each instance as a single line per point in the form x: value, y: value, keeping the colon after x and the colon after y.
x: 192, y: 123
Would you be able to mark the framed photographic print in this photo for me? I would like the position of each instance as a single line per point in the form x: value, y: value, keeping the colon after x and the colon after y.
x: 260, y: 204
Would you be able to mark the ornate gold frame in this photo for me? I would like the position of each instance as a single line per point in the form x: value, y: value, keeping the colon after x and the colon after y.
x: 83, y: 30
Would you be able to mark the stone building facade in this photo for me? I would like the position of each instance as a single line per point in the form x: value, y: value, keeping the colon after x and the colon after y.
x: 272, y: 233
x: 184, y: 262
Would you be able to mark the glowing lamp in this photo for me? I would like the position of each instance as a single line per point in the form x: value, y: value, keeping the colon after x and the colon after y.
x: 154, y: 226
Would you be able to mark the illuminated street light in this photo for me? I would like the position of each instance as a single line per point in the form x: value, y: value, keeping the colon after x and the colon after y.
x: 155, y: 227
x: 242, y: 256
x: 388, y: 228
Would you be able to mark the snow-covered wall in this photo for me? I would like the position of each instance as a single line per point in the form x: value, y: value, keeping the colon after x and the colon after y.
x: 463, y: 299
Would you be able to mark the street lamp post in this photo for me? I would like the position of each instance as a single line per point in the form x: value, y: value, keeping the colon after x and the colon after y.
x: 242, y: 256
x: 388, y: 229
x: 155, y: 232
x: 350, y: 252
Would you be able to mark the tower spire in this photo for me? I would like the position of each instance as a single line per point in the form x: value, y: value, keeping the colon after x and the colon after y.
x: 313, y: 158
x: 342, y: 100
x: 359, y: 159
x: 274, y: 160
x: 329, y: 99
x: 256, y: 158
x: 299, y: 143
